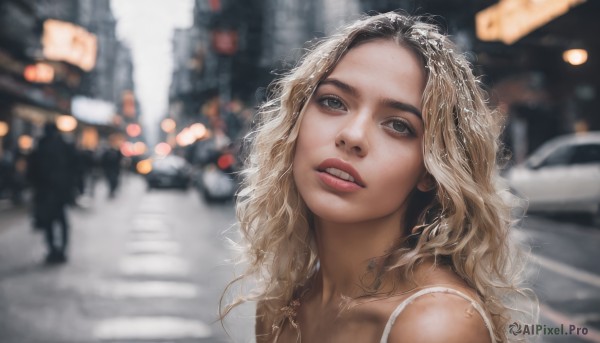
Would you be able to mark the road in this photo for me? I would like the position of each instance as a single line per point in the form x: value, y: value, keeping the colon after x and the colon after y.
x: 144, y: 266
x: 150, y: 266
x: 565, y: 274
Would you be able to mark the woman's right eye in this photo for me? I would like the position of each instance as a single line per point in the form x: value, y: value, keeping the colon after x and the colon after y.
x: 332, y: 103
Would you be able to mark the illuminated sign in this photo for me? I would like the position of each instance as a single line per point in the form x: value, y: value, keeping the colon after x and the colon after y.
x: 63, y: 41
x: 510, y: 20
x: 93, y: 111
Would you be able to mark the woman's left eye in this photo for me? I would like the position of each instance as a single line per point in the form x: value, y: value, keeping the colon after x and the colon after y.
x: 399, y: 126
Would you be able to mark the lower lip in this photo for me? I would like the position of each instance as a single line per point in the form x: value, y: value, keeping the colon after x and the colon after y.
x: 337, y: 183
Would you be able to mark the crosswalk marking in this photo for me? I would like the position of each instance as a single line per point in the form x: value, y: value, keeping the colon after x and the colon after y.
x: 150, y: 289
x: 558, y: 267
x: 559, y: 318
x: 568, y: 271
x: 151, y: 253
x: 149, y: 224
x: 163, y: 265
x: 153, y: 247
x: 138, y: 328
x: 151, y: 236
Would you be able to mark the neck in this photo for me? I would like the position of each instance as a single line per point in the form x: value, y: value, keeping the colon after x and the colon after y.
x: 349, y: 255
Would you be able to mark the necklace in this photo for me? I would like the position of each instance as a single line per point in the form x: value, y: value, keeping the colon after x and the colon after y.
x: 291, y: 310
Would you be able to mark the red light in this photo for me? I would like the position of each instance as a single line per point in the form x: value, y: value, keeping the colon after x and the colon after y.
x: 215, y: 5
x: 30, y: 73
x: 39, y: 73
x: 133, y: 130
x: 225, y: 161
x: 127, y: 149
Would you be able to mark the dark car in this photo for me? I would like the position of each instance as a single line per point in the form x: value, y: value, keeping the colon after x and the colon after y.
x: 216, y: 180
x: 217, y: 168
x: 169, y: 172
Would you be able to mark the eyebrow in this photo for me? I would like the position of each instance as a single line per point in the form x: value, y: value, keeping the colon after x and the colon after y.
x: 399, y: 105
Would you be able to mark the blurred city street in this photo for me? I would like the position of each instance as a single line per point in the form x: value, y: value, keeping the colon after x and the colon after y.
x: 132, y: 114
x: 150, y: 266
x: 565, y: 275
x: 144, y: 266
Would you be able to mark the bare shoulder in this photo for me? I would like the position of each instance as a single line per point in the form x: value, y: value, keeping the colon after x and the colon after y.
x: 440, y: 317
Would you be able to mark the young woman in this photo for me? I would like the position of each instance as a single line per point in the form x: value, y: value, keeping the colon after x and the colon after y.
x: 370, y: 212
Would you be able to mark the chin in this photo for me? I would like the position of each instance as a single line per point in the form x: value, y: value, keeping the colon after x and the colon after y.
x: 332, y: 212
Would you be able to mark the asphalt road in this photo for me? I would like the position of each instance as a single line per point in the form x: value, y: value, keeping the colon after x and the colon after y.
x: 144, y: 267
x: 151, y: 267
x: 564, y: 272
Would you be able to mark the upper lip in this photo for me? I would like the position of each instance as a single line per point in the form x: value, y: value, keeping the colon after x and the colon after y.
x: 343, y: 166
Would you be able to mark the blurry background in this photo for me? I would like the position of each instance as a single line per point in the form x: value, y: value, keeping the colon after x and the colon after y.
x: 155, y: 96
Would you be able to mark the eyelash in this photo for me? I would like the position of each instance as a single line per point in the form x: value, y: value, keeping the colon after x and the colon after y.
x: 407, y: 127
x: 324, y: 100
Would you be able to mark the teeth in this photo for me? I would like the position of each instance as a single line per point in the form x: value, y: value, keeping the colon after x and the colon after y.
x: 341, y: 174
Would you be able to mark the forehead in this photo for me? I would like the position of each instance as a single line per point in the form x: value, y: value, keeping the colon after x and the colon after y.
x: 383, y: 67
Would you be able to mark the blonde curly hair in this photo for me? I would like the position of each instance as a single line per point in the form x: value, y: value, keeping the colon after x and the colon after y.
x: 464, y: 222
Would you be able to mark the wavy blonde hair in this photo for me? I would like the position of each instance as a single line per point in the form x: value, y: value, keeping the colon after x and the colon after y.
x: 464, y: 221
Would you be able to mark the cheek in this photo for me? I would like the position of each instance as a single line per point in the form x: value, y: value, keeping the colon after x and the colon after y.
x: 399, y: 177
x: 301, y: 153
x: 314, y: 133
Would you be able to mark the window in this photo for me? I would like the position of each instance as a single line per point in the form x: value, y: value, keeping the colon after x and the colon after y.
x: 559, y: 157
x: 586, y: 154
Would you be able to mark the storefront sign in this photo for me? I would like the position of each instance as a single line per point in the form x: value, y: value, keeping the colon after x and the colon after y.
x: 63, y: 41
x: 93, y: 111
x: 510, y: 20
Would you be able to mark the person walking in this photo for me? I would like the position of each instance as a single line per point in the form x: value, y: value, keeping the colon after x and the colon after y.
x: 111, y: 163
x: 50, y: 171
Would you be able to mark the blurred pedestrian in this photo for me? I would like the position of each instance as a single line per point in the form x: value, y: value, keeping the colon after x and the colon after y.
x: 85, y: 162
x: 111, y: 164
x: 50, y: 170
x: 370, y: 195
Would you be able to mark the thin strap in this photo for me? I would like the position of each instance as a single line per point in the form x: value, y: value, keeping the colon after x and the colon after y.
x: 407, y: 301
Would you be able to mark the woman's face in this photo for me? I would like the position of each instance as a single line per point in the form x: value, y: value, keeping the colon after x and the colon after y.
x: 359, y: 150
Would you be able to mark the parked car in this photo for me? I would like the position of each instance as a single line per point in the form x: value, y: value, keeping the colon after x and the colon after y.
x: 168, y: 172
x: 216, y: 179
x: 562, y: 176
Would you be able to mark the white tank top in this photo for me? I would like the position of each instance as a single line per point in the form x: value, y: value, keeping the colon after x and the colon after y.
x: 407, y: 301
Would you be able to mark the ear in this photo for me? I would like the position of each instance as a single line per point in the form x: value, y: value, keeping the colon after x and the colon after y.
x: 426, y: 183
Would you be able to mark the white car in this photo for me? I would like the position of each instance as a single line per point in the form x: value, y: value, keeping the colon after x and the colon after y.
x: 562, y: 176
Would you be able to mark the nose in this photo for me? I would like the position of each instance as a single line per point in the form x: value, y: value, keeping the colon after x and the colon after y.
x: 353, y: 136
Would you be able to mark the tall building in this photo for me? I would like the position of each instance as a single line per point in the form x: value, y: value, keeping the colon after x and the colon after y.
x: 41, y: 80
x: 540, y: 94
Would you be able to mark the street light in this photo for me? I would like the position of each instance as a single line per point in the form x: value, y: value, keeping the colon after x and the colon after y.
x: 198, y: 130
x: 185, y: 137
x: 25, y: 142
x: 139, y: 148
x: 66, y: 123
x: 168, y: 125
x: 133, y: 130
x: 3, y: 129
x: 144, y: 167
x: 575, y: 57
x: 162, y: 149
